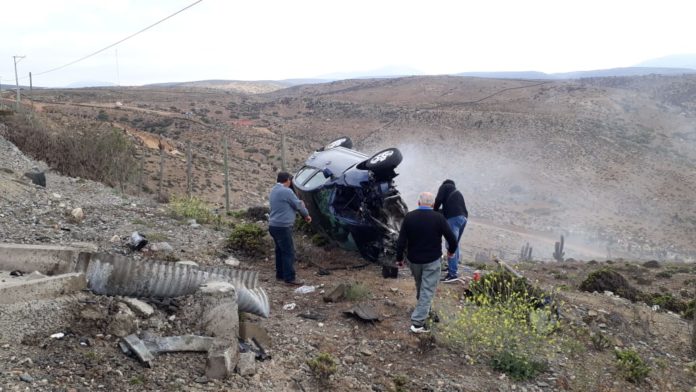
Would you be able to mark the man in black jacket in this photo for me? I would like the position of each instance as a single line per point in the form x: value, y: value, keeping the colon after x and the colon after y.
x: 454, y: 210
x: 421, y: 235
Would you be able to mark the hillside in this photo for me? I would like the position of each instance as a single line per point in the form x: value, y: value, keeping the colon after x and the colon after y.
x: 71, y: 342
x: 608, y: 162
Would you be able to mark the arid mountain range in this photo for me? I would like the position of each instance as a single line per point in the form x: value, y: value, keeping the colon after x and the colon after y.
x: 610, y: 163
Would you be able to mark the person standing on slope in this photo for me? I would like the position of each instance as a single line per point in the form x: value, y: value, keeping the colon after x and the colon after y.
x: 421, y: 236
x: 284, y: 205
x: 454, y: 209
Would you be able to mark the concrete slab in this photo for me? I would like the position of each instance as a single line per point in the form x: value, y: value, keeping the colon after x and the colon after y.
x: 47, y: 259
x: 21, y: 290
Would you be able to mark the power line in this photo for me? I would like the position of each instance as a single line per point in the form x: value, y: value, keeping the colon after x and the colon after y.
x: 116, y: 43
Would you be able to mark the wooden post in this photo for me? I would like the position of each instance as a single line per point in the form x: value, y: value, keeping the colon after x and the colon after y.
x: 227, y: 174
x: 189, y: 164
x: 161, y: 171
x: 282, y: 151
x: 693, y: 337
x: 141, y: 174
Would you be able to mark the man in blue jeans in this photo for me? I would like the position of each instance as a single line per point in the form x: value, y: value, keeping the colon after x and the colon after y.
x: 421, y: 236
x: 454, y: 209
x: 284, y: 205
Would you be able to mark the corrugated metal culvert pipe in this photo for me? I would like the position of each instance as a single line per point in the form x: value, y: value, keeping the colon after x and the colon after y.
x: 118, y: 275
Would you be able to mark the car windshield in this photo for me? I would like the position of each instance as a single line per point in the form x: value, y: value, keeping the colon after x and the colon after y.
x: 316, y: 180
x: 304, y: 174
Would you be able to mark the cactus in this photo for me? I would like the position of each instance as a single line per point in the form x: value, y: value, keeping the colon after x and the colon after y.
x: 559, y: 253
x: 526, y: 253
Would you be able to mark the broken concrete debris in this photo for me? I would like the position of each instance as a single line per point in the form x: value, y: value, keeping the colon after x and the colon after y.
x: 141, y: 308
x: 363, y: 312
x: 247, y: 364
x: 219, y: 292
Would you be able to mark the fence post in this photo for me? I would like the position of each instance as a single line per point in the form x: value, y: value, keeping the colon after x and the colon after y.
x: 161, y: 170
x: 282, y: 151
x: 227, y: 173
x: 189, y: 164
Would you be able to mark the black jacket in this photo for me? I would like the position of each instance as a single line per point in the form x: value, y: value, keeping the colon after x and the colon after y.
x: 451, y: 200
x: 421, y: 235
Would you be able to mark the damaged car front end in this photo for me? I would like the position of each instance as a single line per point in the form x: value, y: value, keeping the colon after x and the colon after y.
x: 352, y: 198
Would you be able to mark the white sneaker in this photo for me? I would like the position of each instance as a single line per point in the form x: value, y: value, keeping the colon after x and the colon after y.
x: 415, y: 329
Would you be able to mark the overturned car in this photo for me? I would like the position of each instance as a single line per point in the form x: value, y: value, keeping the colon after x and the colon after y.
x: 352, y: 198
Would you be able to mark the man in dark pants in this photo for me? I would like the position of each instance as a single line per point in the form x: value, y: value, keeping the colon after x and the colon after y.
x: 421, y: 235
x: 284, y: 205
x: 454, y: 209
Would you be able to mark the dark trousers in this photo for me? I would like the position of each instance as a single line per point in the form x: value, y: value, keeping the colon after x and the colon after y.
x: 284, y: 252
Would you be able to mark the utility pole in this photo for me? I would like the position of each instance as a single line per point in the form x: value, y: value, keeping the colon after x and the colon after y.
x: 31, y: 91
x: 17, y: 77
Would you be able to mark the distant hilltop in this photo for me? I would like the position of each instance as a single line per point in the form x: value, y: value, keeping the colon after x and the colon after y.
x: 602, y: 73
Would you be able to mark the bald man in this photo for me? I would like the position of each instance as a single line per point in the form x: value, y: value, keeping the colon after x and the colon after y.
x: 421, y: 236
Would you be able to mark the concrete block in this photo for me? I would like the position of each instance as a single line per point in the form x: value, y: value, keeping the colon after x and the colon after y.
x: 21, y: 290
x: 221, y: 362
x: 47, y: 259
x: 247, y: 364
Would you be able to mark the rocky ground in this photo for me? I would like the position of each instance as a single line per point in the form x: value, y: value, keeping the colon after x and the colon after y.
x: 379, y: 356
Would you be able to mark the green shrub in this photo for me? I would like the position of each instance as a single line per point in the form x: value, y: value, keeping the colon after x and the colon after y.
x: 320, y: 240
x: 322, y: 367
x: 400, y: 383
x: 507, y: 321
x: 247, y: 238
x: 663, y: 274
x: 667, y: 301
x: 357, y: 292
x: 631, y: 366
x: 304, y: 227
x: 518, y: 367
x: 190, y: 208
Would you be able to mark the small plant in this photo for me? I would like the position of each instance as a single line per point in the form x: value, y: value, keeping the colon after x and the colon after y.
x: 157, y: 237
x: 257, y: 213
x: 517, y: 366
x: 558, y: 252
x: 663, y: 274
x: 400, y: 383
x: 526, y: 253
x: 631, y: 365
x: 319, y: 240
x: 304, y: 227
x: 599, y: 341
x: 248, y: 238
x: 322, y: 367
x: 137, y: 380
x: 190, y: 208
x: 357, y: 292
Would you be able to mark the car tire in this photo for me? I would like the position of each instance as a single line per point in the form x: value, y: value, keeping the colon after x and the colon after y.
x: 340, y: 142
x: 384, y: 160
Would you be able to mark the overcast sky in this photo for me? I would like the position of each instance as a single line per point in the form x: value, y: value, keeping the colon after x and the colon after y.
x: 282, y: 39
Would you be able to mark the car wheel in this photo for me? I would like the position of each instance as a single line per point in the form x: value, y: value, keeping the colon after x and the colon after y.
x: 383, y: 160
x: 340, y: 142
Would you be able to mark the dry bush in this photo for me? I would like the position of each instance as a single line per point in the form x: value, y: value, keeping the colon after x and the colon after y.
x: 106, y: 156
